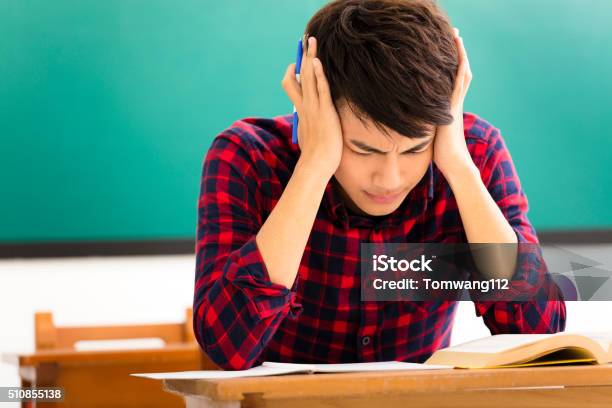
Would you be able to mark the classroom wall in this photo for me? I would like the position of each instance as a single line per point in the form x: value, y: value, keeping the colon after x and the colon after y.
x: 107, y: 108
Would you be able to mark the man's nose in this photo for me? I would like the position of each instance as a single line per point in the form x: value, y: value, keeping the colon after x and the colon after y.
x: 388, y: 178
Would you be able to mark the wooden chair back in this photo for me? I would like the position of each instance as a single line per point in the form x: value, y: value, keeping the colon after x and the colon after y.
x: 49, y: 336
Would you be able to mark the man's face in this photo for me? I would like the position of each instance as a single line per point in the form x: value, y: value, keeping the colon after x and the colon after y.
x: 377, y: 171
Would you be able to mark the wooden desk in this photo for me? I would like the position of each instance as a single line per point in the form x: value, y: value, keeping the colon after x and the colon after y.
x: 573, y: 386
x: 102, y: 378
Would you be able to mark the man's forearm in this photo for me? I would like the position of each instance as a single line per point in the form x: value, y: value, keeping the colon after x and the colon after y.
x: 482, y: 219
x: 484, y: 222
x: 283, y: 237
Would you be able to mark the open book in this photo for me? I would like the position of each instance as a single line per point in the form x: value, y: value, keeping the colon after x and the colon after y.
x: 270, y: 368
x: 522, y: 350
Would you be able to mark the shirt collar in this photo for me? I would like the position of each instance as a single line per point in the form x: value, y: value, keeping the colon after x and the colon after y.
x: 414, y: 204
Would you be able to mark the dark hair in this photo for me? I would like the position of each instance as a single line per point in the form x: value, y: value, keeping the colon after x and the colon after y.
x: 392, y: 61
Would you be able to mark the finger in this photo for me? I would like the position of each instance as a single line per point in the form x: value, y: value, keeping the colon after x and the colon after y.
x: 459, y: 79
x: 292, y: 87
x: 464, y: 57
x: 459, y: 45
x: 304, y: 48
x: 467, y: 71
x: 307, y: 77
x: 322, y: 84
x: 461, y: 67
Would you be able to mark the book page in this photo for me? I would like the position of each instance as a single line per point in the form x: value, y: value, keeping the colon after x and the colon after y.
x: 259, y: 371
x: 603, y: 338
x: 360, y: 367
x: 498, y: 343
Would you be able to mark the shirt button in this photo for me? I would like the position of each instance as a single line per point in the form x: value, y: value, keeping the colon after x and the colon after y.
x: 365, y: 340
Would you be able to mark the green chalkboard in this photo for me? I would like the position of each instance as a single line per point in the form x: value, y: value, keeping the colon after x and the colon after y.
x: 107, y: 108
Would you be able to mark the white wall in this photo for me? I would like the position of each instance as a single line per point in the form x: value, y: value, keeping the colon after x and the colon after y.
x: 109, y: 290
x: 119, y: 290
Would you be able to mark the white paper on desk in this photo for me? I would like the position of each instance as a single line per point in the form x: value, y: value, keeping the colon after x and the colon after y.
x: 271, y: 368
x: 259, y: 371
x: 359, y: 367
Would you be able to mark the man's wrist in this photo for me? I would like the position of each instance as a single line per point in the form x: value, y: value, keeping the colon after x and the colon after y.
x: 310, y: 169
x: 461, y: 173
x: 310, y: 174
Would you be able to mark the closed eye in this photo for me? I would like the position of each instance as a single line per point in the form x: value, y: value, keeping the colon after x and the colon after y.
x: 406, y: 153
x: 414, y: 152
x: 367, y: 150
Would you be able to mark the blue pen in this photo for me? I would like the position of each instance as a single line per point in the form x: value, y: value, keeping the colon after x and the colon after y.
x: 298, y: 64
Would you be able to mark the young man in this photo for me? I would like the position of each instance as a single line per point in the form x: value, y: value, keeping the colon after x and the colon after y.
x: 385, y: 154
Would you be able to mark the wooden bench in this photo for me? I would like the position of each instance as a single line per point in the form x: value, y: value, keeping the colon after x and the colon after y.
x: 100, y: 378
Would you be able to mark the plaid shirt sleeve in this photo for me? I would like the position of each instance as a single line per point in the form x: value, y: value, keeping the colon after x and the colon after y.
x: 545, y: 313
x: 237, y: 307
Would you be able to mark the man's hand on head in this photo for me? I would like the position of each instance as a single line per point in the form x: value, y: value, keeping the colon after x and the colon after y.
x: 450, y: 150
x: 319, y: 129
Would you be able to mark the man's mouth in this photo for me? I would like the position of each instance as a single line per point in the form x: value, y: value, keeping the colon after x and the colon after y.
x: 384, y: 198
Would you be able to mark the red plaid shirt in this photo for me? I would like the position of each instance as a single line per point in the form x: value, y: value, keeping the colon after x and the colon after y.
x: 241, y: 318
